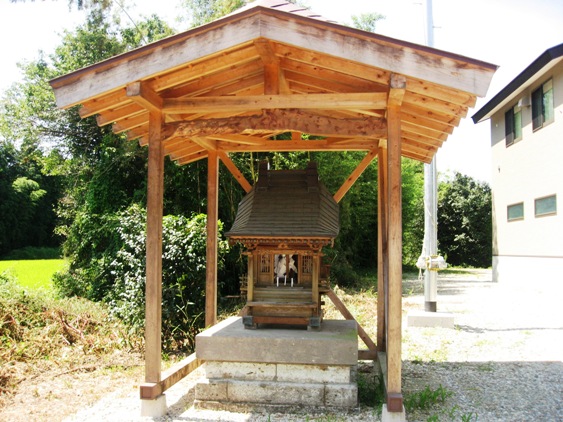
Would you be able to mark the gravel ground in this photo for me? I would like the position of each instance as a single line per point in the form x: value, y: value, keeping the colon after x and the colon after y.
x: 501, y: 362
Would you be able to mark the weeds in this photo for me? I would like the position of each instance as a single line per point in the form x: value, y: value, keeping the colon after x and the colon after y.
x: 38, y: 332
x: 426, y: 398
x: 370, y: 388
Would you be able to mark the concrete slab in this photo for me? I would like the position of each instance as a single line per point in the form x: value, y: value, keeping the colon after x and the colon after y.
x: 430, y: 319
x: 335, y: 343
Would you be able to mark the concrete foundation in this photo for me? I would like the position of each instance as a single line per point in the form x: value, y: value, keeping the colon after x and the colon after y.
x: 279, y: 366
x: 387, y: 416
x: 154, y: 408
x: 430, y: 319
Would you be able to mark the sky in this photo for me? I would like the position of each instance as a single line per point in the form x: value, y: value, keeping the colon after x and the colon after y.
x: 507, y: 33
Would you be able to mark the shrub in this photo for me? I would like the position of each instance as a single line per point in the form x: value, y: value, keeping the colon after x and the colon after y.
x: 116, y: 275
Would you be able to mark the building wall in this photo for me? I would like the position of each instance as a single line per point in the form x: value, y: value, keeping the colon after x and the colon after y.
x: 531, y: 168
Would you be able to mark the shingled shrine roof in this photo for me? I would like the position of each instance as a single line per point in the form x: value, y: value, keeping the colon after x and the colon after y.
x: 286, y: 204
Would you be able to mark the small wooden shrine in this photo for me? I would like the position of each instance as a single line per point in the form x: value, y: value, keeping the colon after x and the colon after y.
x: 284, y: 222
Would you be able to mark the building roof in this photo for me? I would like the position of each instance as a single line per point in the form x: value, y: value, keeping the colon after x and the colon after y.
x: 286, y: 204
x: 537, y: 69
x: 233, y: 84
x: 285, y: 6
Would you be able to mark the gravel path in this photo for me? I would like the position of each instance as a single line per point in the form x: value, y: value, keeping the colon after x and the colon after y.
x: 501, y: 362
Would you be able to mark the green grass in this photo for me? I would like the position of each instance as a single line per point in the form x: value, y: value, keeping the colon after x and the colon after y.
x: 33, y: 274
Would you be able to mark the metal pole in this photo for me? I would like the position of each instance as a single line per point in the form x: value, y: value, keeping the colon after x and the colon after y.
x: 430, y: 247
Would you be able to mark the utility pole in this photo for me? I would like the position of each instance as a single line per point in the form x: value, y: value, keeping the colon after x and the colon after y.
x: 430, y: 245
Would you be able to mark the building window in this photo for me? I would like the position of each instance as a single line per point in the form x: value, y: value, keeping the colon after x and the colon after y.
x: 546, y: 206
x: 515, y: 211
x: 513, y: 125
x: 542, y: 105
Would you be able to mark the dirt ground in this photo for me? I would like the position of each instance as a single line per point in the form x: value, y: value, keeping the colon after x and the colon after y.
x: 503, y: 358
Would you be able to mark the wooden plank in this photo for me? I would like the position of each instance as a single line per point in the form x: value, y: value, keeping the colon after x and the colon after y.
x: 320, y: 77
x: 98, y: 104
x: 367, y: 354
x: 196, y: 84
x: 180, y: 152
x: 348, y: 315
x: 217, y: 62
x: 335, y: 101
x: 212, y: 232
x: 130, y: 123
x: 255, y: 304
x: 150, y: 391
x: 394, y: 241
x: 288, y: 320
x: 239, y: 177
x: 355, y: 175
x: 283, y: 120
x: 116, y: 114
x: 153, y: 288
x: 192, y: 157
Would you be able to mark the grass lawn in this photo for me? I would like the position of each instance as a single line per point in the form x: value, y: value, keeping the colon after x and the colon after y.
x: 33, y: 274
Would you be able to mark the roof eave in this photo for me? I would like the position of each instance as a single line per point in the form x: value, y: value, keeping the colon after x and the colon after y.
x: 547, y: 60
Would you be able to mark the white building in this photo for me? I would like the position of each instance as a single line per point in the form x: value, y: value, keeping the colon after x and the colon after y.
x: 527, y: 171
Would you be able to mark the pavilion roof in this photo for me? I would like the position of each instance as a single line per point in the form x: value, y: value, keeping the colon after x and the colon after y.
x: 233, y: 84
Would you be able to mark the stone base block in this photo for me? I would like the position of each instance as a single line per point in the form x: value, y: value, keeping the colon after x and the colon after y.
x: 253, y: 371
x: 278, y: 367
x: 277, y: 393
x: 387, y: 416
x: 154, y: 408
x: 430, y: 319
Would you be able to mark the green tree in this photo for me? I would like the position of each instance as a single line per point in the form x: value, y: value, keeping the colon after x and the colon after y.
x: 465, y: 221
x: 201, y: 12
x: 366, y: 21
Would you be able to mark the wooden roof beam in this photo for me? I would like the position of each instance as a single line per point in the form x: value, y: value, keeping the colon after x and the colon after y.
x: 274, y: 78
x: 280, y: 120
x: 256, y: 102
x: 141, y: 94
x: 397, y: 89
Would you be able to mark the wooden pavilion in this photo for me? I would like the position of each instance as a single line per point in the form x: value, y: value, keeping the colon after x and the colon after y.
x: 231, y: 85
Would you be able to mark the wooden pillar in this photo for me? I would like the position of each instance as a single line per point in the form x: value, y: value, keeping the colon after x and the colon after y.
x: 212, y: 229
x: 153, y: 287
x: 394, y: 245
x: 252, y: 258
x: 315, y: 284
x: 382, y: 253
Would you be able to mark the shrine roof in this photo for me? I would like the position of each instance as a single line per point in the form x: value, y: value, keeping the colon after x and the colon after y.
x: 287, y: 204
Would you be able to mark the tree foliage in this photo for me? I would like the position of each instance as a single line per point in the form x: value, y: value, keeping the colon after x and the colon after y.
x: 108, y: 256
x: 465, y: 221
x: 366, y: 21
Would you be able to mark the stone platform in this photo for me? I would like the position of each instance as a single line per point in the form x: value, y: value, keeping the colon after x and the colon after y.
x: 279, y: 366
